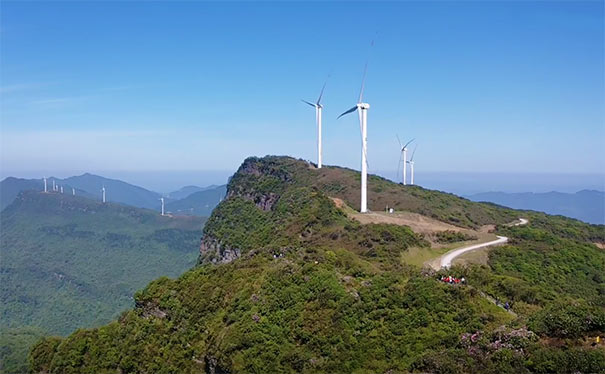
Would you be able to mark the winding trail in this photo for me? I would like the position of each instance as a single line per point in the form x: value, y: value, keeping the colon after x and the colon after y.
x: 446, y: 259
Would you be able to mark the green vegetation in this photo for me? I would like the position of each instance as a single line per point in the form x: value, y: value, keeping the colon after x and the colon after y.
x: 540, y: 266
x: 15, y: 344
x: 70, y: 262
x: 305, y: 289
x: 451, y: 236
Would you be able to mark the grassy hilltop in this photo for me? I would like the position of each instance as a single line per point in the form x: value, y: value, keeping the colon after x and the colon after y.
x: 289, y: 281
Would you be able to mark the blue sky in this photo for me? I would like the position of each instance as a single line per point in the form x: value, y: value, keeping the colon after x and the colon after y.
x: 505, y: 87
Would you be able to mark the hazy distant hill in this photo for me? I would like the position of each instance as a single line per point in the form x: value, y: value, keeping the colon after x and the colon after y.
x: 69, y: 262
x: 184, y: 192
x: 585, y: 205
x: 11, y: 187
x: 199, y: 203
x: 88, y: 185
x: 188, y: 190
x: 116, y: 190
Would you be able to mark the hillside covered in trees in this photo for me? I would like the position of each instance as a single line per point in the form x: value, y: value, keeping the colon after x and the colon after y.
x: 288, y: 282
x: 69, y: 262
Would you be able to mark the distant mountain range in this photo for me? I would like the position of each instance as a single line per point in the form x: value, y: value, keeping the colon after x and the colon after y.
x: 585, y: 205
x: 199, y: 203
x: 89, y: 185
x: 188, y: 190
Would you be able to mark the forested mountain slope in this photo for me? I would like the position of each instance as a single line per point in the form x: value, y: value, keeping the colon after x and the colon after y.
x: 288, y: 282
x: 69, y: 262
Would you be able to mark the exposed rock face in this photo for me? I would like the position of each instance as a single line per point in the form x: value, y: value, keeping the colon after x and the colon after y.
x: 263, y: 201
x: 256, y: 181
x: 151, y: 310
x: 212, y: 251
x: 253, y: 172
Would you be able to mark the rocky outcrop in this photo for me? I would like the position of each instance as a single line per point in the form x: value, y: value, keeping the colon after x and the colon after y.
x: 263, y: 201
x: 258, y: 180
x: 149, y: 310
x: 212, y: 251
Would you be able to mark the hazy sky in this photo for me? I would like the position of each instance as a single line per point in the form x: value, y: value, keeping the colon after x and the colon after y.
x: 489, y: 87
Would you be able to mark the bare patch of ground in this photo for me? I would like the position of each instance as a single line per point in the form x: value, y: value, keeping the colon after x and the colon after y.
x: 420, y: 256
x: 417, y: 222
x: 600, y: 245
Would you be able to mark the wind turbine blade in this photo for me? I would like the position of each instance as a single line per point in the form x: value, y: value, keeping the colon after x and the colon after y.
x: 414, y: 152
x: 408, y: 143
x: 348, y: 111
x: 305, y: 101
x: 398, y: 165
x: 363, y: 82
x: 322, y: 91
x: 399, y: 140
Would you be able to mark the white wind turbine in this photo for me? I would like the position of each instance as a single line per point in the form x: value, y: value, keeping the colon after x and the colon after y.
x: 162, y: 200
x: 73, y: 191
x: 411, y: 162
x: 103, y: 190
x: 61, y: 189
x: 318, y: 108
x: 403, y: 158
x: 362, y: 109
x: 45, y: 186
x: 54, y: 186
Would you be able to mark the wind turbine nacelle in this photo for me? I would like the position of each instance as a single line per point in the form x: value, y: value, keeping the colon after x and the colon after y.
x: 363, y: 106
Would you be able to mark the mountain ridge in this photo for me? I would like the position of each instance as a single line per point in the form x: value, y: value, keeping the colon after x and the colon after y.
x: 585, y: 205
x: 287, y: 282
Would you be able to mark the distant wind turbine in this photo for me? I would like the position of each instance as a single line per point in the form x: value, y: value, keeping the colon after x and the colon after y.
x: 362, y: 109
x: 411, y: 162
x: 404, y: 155
x: 103, y: 190
x: 54, y: 186
x: 61, y: 189
x: 162, y: 200
x: 45, y: 186
x: 73, y: 191
x: 318, y: 108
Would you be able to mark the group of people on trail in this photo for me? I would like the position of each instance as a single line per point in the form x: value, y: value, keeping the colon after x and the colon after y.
x: 452, y: 280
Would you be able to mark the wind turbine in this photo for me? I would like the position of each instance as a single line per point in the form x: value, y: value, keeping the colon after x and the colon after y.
x: 45, y: 187
x: 61, y: 189
x: 318, y: 107
x: 103, y: 190
x: 54, y: 186
x: 73, y: 191
x: 404, y: 155
x: 411, y: 162
x: 162, y: 200
x: 362, y: 109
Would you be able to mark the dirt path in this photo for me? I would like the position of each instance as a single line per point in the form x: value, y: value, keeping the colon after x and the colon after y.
x: 445, y: 261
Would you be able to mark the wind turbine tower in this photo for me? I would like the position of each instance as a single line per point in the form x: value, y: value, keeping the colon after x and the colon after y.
x: 54, y: 186
x: 362, y: 109
x: 73, y: 191
x: 404, y: 156
x: 45, y: 186
x: 318, y: 108
x: 162, y: 200
x: 103, y: 190
x: 61, y: 189
x: 411, y: 162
